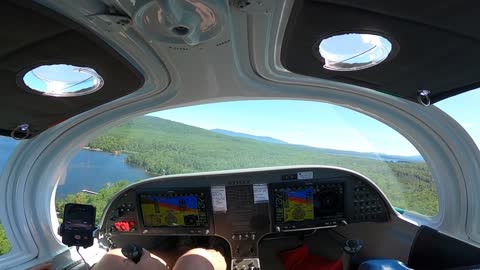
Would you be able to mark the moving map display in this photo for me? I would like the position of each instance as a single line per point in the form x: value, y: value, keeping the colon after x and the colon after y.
x: 173, y: 210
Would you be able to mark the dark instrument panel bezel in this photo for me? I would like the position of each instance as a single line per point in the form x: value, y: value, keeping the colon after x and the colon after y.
x: 363, y: 200
x: 309, y: 224
x: 178, y: 230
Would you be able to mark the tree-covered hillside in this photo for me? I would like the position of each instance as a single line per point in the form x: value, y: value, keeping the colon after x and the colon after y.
x: 166, y: 147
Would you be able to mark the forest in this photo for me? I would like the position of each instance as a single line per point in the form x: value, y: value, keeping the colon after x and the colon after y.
x: 165, y: 147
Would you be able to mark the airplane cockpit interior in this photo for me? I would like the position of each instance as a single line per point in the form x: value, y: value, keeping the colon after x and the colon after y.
x: 239, y: 135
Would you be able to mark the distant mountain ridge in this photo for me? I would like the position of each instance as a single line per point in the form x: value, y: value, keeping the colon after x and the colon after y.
x: 148, y: 133
x: 248, y: 136
x: 377, y: 156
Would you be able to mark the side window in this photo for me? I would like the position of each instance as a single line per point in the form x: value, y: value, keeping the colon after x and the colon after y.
x: 7, y: 145
x: 249, y: 134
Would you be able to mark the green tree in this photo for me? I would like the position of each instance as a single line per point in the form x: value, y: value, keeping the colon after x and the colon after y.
x: 4, y: 244
x: 99, y: 201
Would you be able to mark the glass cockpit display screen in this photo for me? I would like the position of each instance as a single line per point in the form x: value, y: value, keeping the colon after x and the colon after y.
x: 173, y: 210
x: 298, y: 205
x: 308, y: 203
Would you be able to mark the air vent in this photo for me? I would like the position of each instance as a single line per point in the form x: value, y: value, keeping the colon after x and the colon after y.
x: 178, y: 48
x: 223, y: 43
x: 238, y: 182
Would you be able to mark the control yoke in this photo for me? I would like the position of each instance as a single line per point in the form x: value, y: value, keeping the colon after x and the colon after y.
x: 132, y: 252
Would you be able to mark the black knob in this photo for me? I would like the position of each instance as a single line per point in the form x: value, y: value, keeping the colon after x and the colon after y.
x: 353, y: 246
x: 132, y: 252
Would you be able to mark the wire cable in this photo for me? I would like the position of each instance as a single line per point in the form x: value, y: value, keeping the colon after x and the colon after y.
x: 83, y: 259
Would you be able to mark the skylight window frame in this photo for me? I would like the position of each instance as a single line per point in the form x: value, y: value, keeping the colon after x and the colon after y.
x: 394, y: 49
x: 84, y: 68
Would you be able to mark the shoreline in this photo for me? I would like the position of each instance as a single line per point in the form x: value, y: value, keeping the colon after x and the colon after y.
x: 119, y: 152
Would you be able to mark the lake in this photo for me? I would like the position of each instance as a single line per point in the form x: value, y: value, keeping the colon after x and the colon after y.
x: 87, y: 170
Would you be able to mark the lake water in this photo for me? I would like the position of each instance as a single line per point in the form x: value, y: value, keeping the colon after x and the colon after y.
x: 88, y: 169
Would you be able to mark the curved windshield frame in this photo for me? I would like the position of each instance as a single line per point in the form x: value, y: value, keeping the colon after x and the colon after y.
x: 250, y: 134
x: 7, y: 146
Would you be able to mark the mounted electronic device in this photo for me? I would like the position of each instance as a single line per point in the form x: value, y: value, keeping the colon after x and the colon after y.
x: 78, y: 225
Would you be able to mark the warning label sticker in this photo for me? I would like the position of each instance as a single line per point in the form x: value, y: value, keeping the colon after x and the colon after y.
x: 260, y: 193
x: 219, y: 199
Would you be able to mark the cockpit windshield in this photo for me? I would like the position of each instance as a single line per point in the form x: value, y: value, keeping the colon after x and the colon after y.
x: 249, y: 134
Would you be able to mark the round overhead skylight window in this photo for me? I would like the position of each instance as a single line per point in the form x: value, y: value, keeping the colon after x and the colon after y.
x: 354, y: 51
x: 63, y: 80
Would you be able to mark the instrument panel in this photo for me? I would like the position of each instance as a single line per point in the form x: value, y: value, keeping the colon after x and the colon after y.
x: 306, y: 205
x: 244, y: 206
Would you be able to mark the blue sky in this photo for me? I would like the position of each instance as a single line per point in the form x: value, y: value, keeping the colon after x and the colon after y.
x: 465, y: 108
x: 317, y: 124
x: 298, y: 122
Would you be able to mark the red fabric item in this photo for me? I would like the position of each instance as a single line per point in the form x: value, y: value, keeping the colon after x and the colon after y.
x: 301, y: 259
x: 124, y: 226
